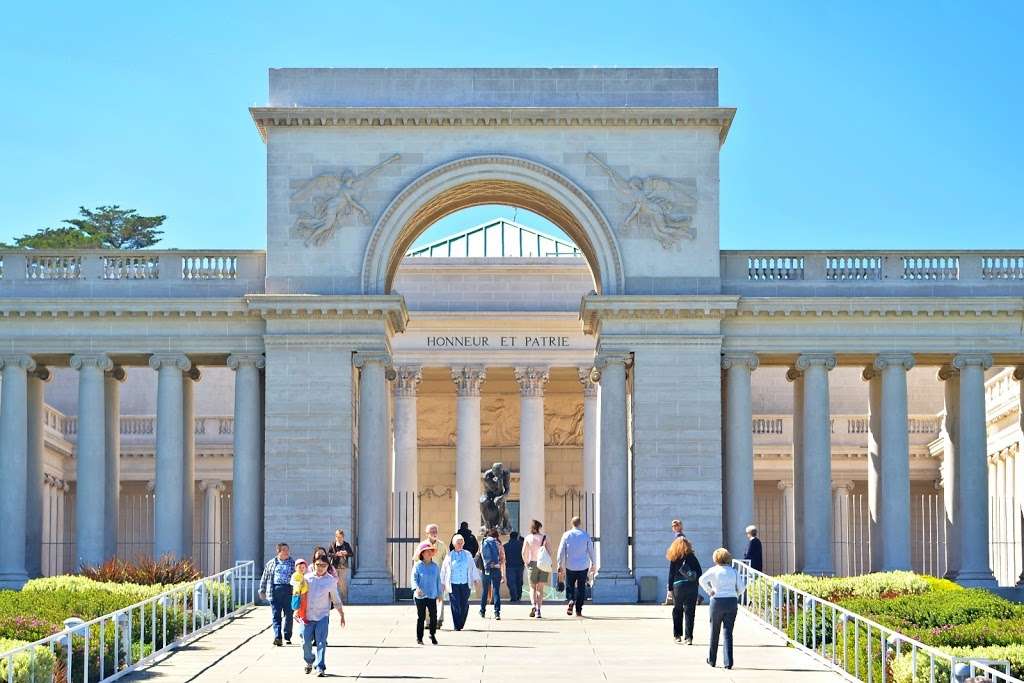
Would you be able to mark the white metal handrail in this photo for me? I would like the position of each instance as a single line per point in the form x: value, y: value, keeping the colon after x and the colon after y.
x: 816, y: 626
x: 115, y: 644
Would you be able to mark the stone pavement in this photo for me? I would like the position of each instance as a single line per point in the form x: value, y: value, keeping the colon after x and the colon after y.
x: 612, y: 643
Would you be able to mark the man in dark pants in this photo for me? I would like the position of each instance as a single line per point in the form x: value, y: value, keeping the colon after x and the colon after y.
x: 753, y: 554
x: 575, y: 562
x: 276, y: 582
x: 514, y: 566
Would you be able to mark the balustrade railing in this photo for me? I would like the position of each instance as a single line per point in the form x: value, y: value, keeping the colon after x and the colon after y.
x: 48, y: 267
x: 207, y: 267
x: 1002, y: 267
x: 129, y: 267
x: 141, y: 425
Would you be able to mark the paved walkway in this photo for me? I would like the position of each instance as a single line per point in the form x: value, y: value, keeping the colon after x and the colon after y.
x: 631, y: 643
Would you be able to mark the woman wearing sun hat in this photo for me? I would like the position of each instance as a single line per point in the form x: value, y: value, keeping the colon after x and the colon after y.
x: 426, y: 589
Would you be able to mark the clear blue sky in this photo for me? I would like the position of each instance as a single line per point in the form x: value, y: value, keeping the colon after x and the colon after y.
x: 860, y: 125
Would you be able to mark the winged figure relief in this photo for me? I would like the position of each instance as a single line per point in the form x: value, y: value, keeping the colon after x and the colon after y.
x: 659, y: 207
x: 333, y: 200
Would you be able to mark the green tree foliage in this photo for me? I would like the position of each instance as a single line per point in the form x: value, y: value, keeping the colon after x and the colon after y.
x: 105, y: 227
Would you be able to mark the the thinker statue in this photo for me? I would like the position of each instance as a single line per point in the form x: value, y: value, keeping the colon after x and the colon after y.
x: 497, y: 486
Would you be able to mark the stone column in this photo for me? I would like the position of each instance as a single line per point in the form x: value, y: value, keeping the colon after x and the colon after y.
x: 112, y: 451
x: 817, y: 464
x: 788, y: 527
x: 591, y: 431
x: 950, y: 376
x: 13, y: 467
x: 895, y: 479
x: 35, y: 491
x: 874, y: 379
x: 1018, y: 482
x: 91, y: 459
x: 247, y: 467
x: 406, y: 474
x: 841, y: 491
x: 468, y: 381
x: 615, y: 582
x: 212, y: 491
x: 188, y: 480
x: 168, y: 536
x: 796, y: 510
x: 738, y: 466
x: 972, y: 480
x: 372, y: 583
x: 532, y: 489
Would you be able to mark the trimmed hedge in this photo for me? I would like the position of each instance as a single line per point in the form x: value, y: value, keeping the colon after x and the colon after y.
x: 936, y: 609
x: 902, y: 666
x: 29, y: 666
x: 880, y: 585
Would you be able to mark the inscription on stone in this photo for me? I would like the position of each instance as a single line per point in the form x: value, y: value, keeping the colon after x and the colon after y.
x: 506, y: 342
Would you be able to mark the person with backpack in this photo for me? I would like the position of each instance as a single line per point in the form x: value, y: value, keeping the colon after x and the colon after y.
x: 537, y: 556
x: 493, y: 572
x: 683, y: 573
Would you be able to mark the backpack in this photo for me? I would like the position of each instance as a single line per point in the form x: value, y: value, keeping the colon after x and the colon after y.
x: 491, y: 554
x: 685, y: 574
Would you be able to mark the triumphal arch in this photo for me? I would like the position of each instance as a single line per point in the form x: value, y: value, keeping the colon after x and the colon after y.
x: 632, y: 373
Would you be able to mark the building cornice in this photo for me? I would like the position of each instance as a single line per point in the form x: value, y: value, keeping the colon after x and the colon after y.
x: 192, y: 307
x: 389, y: 308
x: 836, y: 307
x: 595, y: 308
x: 375, y: 117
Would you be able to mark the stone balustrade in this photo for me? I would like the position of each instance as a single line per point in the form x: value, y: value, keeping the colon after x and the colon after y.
x: 107, y: 273
x: 209, y: 428
x: 846, y: 429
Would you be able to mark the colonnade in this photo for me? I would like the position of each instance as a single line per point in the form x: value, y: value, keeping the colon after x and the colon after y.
x: 97, y: 459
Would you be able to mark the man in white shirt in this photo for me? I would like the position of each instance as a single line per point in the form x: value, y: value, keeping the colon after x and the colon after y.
x: 575, y: 565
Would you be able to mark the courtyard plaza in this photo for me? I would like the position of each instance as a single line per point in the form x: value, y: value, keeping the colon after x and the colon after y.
x: 610, y: 643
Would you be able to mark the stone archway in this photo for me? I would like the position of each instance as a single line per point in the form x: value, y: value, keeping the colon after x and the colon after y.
x: 492, y: 179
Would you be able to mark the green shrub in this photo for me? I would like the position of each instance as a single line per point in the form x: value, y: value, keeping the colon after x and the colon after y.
x: 936, y: 609
x: 29, y: 666
x: 144, y: 571
x: 902, y: 667
x: 878, y: 585
x: 981, y: 633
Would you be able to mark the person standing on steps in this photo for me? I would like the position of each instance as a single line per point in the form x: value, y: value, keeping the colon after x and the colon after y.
x: 439, y: 553
x: 725, y: 586
x: 340, y: 554
x: 322, y: 593
x: 683, y: 573
x: 514, y: 566
x: 458, y: 574
x: 276, y: 583
x: 575, y: 564
x: 753, y: 554
x: 426, y: 588
x: 537, y: 555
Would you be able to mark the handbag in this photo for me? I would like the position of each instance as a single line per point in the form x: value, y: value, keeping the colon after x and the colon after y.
x: 686, y: 574
x: 544, y: 562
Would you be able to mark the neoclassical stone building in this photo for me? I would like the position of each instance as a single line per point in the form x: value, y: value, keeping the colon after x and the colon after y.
x: 861, y: 407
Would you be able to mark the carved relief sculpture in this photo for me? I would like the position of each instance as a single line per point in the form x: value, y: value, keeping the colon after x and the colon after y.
x: 497, y: 486
x: 333, y: 198
x: 659, y: 207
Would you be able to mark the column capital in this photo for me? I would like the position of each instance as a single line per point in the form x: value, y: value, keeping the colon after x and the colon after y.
x: 809, y: 360
x: 150, y: 485
x: 18, y: 360
x: 740, y: 359
x: 793, y: 374
x: 894, y: 359
x: 41, y: 373
x: 170, y: 360
x: 870, y: 372
x: 531, y: 380
x: 842, y: 485
x: 363, y: 358
x: 468, y: 379
x: 92, y: 360
x: 215, y: 485
x: 247, y: 360
x: 1018, y: 373
x: 116, y: 373
x: 193, y: 374
x: 963, y: 360
x: 590, y: 384
x: 782, y: 484
x: 947, y: 371
x: 407, y: 378
x: 605, y: 358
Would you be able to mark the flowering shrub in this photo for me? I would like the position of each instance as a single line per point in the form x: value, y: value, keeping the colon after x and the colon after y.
x: 144, y: 571
x: 878, y: 585
x: 29, y: 666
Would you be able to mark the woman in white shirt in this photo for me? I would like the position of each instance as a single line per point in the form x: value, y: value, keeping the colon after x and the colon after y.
x: 724, y: 585
x: 532, y: 545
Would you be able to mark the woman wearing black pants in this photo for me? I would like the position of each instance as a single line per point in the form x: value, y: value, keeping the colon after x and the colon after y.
x: 426, y: 586
x: 683, y: 572
x: 725, y: 586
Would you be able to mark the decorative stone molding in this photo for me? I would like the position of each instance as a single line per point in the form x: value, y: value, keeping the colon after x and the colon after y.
x: 193, y: 374
x: 363, y: 358
x: 869, y: 372
x: 67, y: 309
x: 531, y: 380
x: 595, y: 308
x: 894, y: 358
x: 91, y: 360
x: 808, y: 360
x: 947, y: 371
x: 793, y: 374
x: 375, y: 117
x: 176, y: 360
x: 250, y: 360
x: 658, y: 208
x: 880, y: 307
x: 590, y: 385
x: 333, y: 200
x: 738, y: 358
x: 437, y: 492
x: 43, y: 374
x: 18, y: 360
x: 389, y: 308
x: 963, y: 360
x: 468, y: 379
x: 407, y: 379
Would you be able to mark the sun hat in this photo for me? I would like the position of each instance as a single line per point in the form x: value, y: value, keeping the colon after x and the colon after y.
x: 301, y: 561
x: 425, y: 545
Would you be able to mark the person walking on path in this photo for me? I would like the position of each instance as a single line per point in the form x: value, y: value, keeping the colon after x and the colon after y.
x: 538, y: 564
x: 321, y: 594
x: 493, y: 571
x: 753, y: 553
x: 683, y: 573
x: 439, y: 553
x: 277, y: 583
x: 426, y: 588
x: 575, y: 563
x: 340, y: 554
x: 725, y: 586
x: 677, y: 531
x: 472, y: 546
x: 514, y: 565
x: 458, y: 574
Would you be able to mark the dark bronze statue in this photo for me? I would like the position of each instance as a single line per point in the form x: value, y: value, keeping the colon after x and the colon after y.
x: 497, y: 486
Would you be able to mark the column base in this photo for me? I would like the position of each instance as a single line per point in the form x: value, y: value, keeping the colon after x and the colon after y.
x: 983, y: 578
x: 371, y: 589
x: 13, y: 580
x: 618, y: 588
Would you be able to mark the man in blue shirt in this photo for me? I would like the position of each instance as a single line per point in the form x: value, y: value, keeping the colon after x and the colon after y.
x: 575, y: 562
x: 277, y: 582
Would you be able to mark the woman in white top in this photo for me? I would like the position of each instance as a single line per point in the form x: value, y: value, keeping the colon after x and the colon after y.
x: 724, y: 585
x: 532, y: 545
